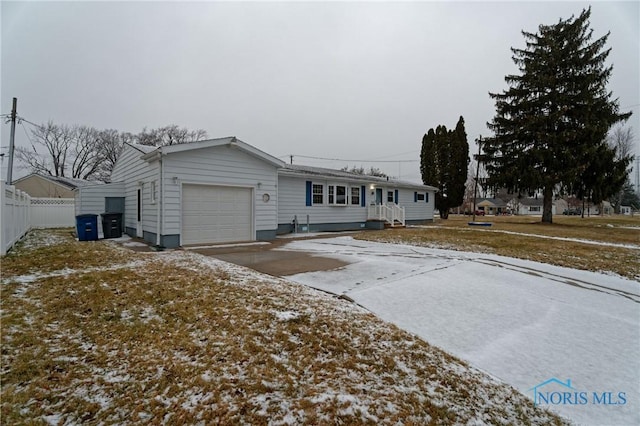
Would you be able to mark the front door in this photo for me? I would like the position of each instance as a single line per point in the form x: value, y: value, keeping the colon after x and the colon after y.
x: 379, y: 199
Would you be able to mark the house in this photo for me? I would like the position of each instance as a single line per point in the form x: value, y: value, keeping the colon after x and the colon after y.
x: 530, y: 206
x: 333, y: 200
x: 494, y: 206
x: 625, y: 210
x: 43, y: 186
x: 225, y: 190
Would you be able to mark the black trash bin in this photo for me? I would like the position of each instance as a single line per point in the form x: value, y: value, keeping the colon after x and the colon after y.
x: 112, y: 225
x: 87, y: 227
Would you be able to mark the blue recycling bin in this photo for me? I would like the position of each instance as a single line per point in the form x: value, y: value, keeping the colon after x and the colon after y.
x: 87, y: 227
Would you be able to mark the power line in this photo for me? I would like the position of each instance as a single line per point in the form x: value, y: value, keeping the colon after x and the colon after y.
x: 21, y: 119
x: 354, y: 161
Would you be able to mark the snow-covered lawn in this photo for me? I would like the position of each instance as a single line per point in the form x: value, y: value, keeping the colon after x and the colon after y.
x: 523, y: 322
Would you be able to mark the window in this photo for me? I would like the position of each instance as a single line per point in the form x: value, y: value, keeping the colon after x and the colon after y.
x: 419, y: 196
x: 152, y: 190
x: 355, y: 195
x: 534, y: 208
x: 390, y: 198
x: 318, y: 193
x: 338, y: 195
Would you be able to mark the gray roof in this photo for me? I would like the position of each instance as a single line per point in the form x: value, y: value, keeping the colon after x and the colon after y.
x: 301, y: 170
x: 495, y: 201
x: 530, y: 201
x: 70, y: 183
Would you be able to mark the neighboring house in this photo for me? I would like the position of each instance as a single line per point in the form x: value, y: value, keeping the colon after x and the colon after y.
x: 494, y: 206
x: 626, y: 210
x: 224, y: 190
x: 531, y: 206
x: 42, y: 186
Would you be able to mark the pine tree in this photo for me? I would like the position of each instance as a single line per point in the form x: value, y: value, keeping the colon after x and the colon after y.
x: 552, y: 121
x: 443, y: 163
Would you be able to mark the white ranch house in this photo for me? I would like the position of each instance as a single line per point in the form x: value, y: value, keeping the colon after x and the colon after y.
x: 225, y: 190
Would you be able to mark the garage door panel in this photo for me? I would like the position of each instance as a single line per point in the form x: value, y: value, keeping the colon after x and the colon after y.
x: 215, y: 214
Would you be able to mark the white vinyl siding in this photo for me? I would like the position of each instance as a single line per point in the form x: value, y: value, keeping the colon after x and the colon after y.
x: 292, y: 195
x: 136, y: 174
x: 420, y: 210
x: 222, y: 166
x: 291, y: 202
x: 90, y: 199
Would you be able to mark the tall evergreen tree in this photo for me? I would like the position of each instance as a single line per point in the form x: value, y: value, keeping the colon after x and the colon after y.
x: 443, y: 163
x: 552, y: 121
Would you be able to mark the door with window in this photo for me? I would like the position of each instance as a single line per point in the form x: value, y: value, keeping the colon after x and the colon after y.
x: 379, y: 199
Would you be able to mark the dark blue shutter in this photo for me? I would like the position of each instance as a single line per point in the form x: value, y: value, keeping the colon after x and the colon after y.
x: 426, y: 197
x: 362, y: 194
x: 415, y: 197
x: 309, y: 193
x: 395, y: 197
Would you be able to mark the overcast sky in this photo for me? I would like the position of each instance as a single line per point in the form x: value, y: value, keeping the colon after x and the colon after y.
x: 354, y: 81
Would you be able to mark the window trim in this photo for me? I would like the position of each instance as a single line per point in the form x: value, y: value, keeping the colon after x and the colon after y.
x: 314, y: 194
x: 352, y: 198
x: 333, y: 187
x: 152, y: 192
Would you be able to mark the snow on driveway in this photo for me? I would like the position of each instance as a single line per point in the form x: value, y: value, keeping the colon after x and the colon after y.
x: 523, y: 322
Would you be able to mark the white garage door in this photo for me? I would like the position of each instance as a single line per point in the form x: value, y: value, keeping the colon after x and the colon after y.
x: 216, y: 214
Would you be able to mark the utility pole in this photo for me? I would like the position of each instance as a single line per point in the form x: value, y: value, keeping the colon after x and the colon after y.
x: 291, y: 158
x: 14, y: 113
x: 475, y: 185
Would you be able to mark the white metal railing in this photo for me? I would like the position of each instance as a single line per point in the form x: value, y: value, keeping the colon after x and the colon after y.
x: 15, y: 216
x: 389, y: 212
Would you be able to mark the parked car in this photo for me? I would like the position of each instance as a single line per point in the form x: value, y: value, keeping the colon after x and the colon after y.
x: 479, y: 212
x: 572, y: 212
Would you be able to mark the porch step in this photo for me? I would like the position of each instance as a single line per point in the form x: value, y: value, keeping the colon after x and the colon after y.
x: 396, y: 225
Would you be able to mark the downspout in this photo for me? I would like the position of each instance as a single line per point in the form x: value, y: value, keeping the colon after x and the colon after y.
x: 159, y: 201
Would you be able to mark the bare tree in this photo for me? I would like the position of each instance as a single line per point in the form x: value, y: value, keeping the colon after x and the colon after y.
x: 85, y: 152
x: 49, y: 149
x: 170, y: 135
x: 111, y: 143
x: 621, y: 139
x: 373, y: 171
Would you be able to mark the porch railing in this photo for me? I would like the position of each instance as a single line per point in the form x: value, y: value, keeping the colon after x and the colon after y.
x: 389, y: 212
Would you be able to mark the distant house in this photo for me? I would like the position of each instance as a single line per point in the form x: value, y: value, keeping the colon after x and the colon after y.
x: 626, y: 210
x: 530, y: 206
x: 491, y: 206
x: 225, y: 190
x: 43, y: 186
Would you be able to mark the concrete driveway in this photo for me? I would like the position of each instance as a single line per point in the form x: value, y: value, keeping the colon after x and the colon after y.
x: 273, y: 257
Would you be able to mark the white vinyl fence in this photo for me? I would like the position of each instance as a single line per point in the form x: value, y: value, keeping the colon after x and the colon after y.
x: 19, y: 213
x: 15, y: 218
x: 52, y: 212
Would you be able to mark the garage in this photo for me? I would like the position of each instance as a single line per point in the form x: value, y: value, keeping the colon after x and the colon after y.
x: 216, y: 214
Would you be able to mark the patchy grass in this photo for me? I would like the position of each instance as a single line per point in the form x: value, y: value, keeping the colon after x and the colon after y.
x: 92, y: 333
x: 608, y: 244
